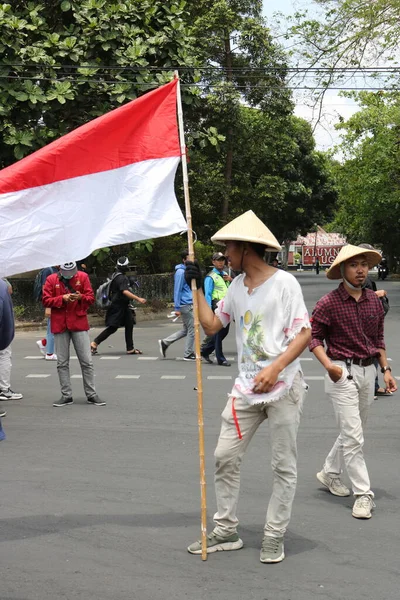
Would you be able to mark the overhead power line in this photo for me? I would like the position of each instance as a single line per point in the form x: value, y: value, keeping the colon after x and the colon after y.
x: 152, y: 84
x: 216, y: 68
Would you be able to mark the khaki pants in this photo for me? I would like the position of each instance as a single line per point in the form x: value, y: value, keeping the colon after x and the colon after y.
x: 351, y: 399
x: 240, y: 421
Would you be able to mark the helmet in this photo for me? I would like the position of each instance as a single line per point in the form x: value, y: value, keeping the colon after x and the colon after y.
x: 123, y: 263
x: 68, y: 270
x: 366, y: 246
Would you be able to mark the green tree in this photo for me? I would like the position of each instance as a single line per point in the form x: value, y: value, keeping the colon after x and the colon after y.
x: 276, y: 171
x: 346, y: 38
x: 64, y: 62
x: 369, y: 177
x: 242, y: 64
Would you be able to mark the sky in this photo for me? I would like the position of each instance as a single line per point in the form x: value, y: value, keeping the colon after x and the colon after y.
x: 326, y: 136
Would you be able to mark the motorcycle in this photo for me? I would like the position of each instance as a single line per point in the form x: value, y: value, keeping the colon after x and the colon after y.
x: 383, y: 272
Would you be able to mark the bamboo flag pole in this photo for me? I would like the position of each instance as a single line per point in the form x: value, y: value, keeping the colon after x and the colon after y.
x: 196, y: 328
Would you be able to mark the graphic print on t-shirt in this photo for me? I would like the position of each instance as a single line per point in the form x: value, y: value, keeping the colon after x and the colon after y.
x: 253, y: 338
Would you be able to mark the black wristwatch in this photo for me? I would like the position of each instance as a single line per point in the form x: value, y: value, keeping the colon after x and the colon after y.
x: 386, y: 368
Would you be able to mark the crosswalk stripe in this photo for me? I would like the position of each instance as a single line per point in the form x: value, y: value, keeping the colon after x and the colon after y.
x: 34, y: 357
x: 127, y: 376
x: 219, y: 377
x: 173, y: 376
x: 314, y: 377
x: 76, y: 376
x: 38, y: 375
x: 109, y: 357
x: 147, y: 357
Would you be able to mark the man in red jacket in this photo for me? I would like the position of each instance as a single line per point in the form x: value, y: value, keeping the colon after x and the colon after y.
x: 69, y: 294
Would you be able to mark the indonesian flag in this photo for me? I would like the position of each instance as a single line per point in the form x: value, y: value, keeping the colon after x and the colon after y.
x: 109, y: 182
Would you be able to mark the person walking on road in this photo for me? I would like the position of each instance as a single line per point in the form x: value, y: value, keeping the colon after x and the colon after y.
x: 349, y: 320
x: 46, y: 345
x: 382, y: 295
x: 272, y: 330
x: 119, y: 313
x: 69, y: 294
x: 6, y: 393
x: 7, y: 327
x: 183, y: 304
x: 216, y: 285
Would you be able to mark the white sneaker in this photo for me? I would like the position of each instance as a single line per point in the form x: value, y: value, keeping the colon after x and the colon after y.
x: 51, y: 357
x: 10, y: 395
x: 41, y: 347
x: 363, y: 507
x: 334, y: 484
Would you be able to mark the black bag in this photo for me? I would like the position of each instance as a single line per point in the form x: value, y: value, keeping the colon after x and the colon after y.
x: 385, y: 304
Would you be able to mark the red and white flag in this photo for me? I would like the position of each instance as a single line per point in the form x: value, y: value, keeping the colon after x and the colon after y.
x: 109, y: 182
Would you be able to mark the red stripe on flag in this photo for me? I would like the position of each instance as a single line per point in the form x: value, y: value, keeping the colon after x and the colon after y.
x: 143, y: 129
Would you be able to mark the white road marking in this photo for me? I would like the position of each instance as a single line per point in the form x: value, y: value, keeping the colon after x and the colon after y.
x: 314, y: 377
x: 110, y: 357
x: 76, y: 376
x: 147, y: 357
x: 38, y: 375
x: 34, y: 357
x: 173, y: 376
x: 127, y: 376
x: 303, y: 359
x: 219, y: 377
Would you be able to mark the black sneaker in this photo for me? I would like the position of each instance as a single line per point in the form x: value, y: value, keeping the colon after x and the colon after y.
x: 2, y: 413
x: 224, y: 363
x: 163, y: 347
x: 96, y: 401
x: 207, y: 358
x: 63, y: 402
x: 191, y: 357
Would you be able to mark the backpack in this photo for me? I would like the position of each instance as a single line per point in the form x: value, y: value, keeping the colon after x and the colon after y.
x: 103, y: 296
x: 37, y: 287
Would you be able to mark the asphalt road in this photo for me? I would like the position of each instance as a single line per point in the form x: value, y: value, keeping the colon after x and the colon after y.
x: 100, y: 503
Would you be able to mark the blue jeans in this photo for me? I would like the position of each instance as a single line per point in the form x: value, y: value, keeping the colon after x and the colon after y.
x: 49, y: 338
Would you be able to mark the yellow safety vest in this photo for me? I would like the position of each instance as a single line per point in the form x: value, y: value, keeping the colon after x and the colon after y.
x: 220, y: 286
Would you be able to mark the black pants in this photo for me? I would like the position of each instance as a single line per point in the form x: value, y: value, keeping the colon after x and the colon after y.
x: 128, y: 324
x: 215, y: 343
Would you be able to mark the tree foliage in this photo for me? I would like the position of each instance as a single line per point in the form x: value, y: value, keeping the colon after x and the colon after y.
x: 276, y: 171
x: 347, y: 43
x: 369, y: 178
x: 63, y: 63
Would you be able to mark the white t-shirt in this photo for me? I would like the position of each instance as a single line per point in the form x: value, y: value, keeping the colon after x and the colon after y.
x: 266, y: 321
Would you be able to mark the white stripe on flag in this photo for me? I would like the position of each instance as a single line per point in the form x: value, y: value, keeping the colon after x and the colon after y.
x: 68, y: 219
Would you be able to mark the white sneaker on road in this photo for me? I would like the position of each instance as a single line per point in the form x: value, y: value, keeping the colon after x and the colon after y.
x: 363, y: 507
x: 334, y: 484
x: 42, y: 348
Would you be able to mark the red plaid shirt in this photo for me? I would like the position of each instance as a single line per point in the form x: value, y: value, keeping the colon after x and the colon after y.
x: 350, y: 329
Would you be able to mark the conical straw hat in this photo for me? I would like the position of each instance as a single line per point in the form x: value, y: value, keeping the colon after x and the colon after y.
x: 247, y: 228
x: 373, y: 257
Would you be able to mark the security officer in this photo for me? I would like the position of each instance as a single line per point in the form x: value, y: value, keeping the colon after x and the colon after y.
x: 216, y: 284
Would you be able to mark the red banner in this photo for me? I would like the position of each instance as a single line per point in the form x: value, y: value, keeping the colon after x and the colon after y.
x: 325, y: 254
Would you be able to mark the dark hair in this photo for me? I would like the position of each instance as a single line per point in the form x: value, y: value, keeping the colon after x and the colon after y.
x: 259, y: 249
x: 184, y: 254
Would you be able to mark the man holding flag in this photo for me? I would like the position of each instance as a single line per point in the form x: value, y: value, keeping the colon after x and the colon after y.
x: 272, y: 330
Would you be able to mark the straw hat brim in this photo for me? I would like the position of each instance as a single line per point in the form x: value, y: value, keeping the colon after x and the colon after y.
x: 247, y: 228
x: 373, y: 257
